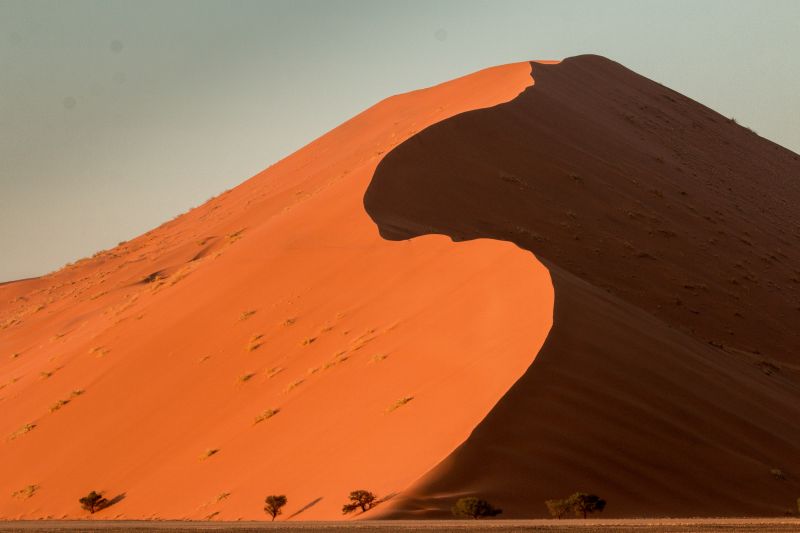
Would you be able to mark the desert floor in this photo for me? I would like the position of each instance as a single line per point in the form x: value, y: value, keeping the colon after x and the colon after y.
x: 671, y: 525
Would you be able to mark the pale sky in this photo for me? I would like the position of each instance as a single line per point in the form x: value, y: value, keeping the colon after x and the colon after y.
x: 115, y: 116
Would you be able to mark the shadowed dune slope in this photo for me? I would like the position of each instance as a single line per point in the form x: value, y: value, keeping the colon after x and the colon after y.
x: 669, y: 382
x: 267, y: 342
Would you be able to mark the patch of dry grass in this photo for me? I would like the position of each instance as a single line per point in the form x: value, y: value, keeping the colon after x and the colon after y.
x: 244, y: 378
x: 266, y: 415
x: 399, y: 403
x: 246, y: 314
x: 27, y: 428
x: 25, y: 492
x: 272, y: 372
x: 293, y: 385
x: 208, y: 453
x: 255, y: 342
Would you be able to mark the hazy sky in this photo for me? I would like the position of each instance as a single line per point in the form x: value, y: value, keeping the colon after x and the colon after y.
x: 116, y: 116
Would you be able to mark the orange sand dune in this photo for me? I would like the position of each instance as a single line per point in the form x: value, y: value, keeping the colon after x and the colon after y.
x: 142, y: 371
x: 664, y: 315
x: 670, y: 381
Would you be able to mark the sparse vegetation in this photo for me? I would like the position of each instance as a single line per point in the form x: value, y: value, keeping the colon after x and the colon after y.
x: 273, y: 505
x: 93, y: 502
x: 294, y: 384
x: 584, y: 504
x: 25, y: 492
x: 244, y: 378
x: 274, y: 371
x: 778, y: 474
x: 399, y: 403
x: 247, y: 314
x: 474, y: 508
x: 255, y: 343
x: 360, y: 499
x: 266, y: 415
x: 208, y: 453
x: 58, y: 405
x: 558, y: 508
x: 307, y: 341
x: 580, y: 503
x: 27, y: 428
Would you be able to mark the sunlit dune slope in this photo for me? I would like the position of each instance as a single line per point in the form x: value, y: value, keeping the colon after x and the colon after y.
x: 267, y: 342
x: 669, y: 382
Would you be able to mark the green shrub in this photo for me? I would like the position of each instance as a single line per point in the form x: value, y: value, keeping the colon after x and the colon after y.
x: 363, y: 499
x: 273, y: 505
x: 474, y: 508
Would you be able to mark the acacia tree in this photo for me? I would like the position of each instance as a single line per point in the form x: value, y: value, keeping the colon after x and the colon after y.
x: 583, y: 503
x: 363, y: 499
x: 273, y: 504
x: 93, y: 502
x: 474, y: 508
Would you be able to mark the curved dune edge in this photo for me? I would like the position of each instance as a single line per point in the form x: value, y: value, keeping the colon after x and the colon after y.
x: 141, y: 371
x: 670, y: 381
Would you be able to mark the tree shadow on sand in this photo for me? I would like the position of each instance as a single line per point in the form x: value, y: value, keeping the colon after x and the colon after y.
x: 312, y: 503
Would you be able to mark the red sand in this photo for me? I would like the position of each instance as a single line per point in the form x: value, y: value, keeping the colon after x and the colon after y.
x: 278, y: 294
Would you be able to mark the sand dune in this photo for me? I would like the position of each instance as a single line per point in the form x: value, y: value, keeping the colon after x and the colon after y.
x: 366, y: 312
x: 669, y: 382
x: 269, y: 341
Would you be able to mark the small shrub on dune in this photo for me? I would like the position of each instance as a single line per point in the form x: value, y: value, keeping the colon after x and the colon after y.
x: 360, y: 499
x: 558, y: 508
x: 580, y: 503
x: 93, y: 502
x: 273, y: 505
x: 583, y: 504
x: 474, y: 508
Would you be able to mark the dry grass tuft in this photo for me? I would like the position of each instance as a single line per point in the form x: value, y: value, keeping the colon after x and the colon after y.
x: 293, y: 385
x: 255, y: 343
x: 27, y: 428
x: 208, y: 453
x: 25, y: 492
x: 399, y: 403
x: 246, y: 314
x: 99, y: 351
x: 266, y: 415
x: 58, y: 405
x: 272, y: 372
x: 246, y: 377
x: 307, y: 341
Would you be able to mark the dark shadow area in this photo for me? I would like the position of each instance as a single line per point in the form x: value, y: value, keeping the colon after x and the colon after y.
x: 307, y: 506
x: 671, y: 234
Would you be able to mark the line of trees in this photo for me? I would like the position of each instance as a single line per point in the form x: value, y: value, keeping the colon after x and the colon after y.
x: 579, y: 504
